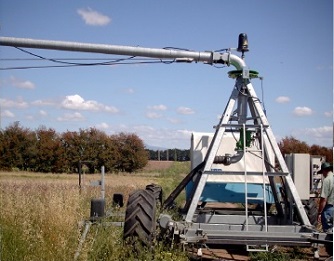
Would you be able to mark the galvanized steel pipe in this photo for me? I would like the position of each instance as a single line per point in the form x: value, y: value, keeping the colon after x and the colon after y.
x: 207, y: 57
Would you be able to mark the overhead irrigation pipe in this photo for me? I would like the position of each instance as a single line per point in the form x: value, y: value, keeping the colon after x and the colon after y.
x: 180, y: 55
x: 208, y: 57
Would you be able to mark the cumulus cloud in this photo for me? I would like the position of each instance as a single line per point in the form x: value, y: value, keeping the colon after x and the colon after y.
x: 153, y: 115
x: 92, y: 17
x: 7, y: 114
x: 43, y: 113
x: 142, y: 129
x: 185, y: 133
x: 282, y: 99
x: 22, y: 84
x: 161, y: 137
x: 185, y: 110
x: 76, y: 102
x: 328, y: 113
x: 76, y: 116
x: 325, y: 131
x: 159, y: 107
x: 174, y: 120
x: 110, y: 109
x: 43, y: 103
x: 153, y: 111
x: 102, y: 126
x: 19, y: 103
x: 322, y: 136
x: 302, y: 111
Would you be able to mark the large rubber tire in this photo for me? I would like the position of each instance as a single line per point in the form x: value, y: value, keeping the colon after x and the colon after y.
x: 140, y: 219
x: 156, y: 190
x: 311, y: 208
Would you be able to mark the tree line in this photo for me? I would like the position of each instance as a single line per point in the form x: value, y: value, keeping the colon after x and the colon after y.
x: 291, y: 145
x: 45, y: 150
x: 169, y: 154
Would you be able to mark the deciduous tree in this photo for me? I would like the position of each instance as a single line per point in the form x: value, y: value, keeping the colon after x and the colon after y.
x: 133, y: 155
x: 291, y: 145
x: 50, y: 152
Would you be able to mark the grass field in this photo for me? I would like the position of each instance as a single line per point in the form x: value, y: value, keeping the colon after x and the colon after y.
x: 41, y: 213
x: 42, y: 216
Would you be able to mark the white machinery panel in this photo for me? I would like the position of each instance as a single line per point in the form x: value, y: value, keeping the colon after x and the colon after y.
x: 200, y: 143
x: 299, y: 166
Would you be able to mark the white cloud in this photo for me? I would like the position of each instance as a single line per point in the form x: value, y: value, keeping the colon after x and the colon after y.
x: 185, y: 110
x: 302, y: 111
x: 110, y: 109
x: 7, y: 114
x: 322, y: 136
x: 43, y: 103
x: 282, y: 99
x: 92, y: 17
x: 22, y: 84
x: 185, y: 133
x: 30, y: 117
x: 76, y: 116
x: 43, y: 113
x: 320, y: 131
x: 166, y: 138
x: 102, y: 126
x: 18, y: 104
x: 161, y: 137
x: 153, y: 115
x: 144, y: 128
x: 328, y: 113
x: 76, y: 102
x: 160, y: 107
x: 174, y: 120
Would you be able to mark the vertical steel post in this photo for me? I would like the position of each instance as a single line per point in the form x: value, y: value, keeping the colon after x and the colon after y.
x: 79, y: 170
x: 102, y: 183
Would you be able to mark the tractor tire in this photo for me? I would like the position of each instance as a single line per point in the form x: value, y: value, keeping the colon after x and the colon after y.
x: 156, y: 190
x: 140, y: 214
x: 311, y: 208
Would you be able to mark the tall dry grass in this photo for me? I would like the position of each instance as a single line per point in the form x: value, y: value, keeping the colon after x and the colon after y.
x: 40, y: 217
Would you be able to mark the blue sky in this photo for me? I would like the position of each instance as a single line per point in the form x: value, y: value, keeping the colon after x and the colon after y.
x: 290, y: 42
